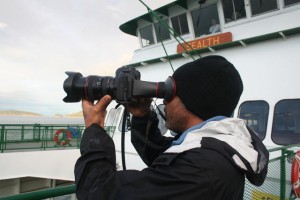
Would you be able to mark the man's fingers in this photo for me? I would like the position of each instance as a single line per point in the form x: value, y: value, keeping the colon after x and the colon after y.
x: 103, y: 103
x: 86, y: 102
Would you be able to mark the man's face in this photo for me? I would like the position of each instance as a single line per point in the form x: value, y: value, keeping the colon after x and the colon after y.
x: 176, y: 116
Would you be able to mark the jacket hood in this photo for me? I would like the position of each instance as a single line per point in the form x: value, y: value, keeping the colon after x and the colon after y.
x: 231, y: 138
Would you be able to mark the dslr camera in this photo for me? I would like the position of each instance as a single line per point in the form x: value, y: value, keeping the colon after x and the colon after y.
x: 125, y: 87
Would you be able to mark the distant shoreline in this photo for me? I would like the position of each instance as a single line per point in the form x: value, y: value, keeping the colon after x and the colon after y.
x: 40, y: 120
x: 18, y: 113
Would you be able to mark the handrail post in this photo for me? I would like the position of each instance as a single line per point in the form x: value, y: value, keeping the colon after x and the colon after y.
x: 282, y: 174
x: 22, y: 133
x: 45, y: 134
x: 2, y: 138
x: 41, y: 137
x: 79, y: 133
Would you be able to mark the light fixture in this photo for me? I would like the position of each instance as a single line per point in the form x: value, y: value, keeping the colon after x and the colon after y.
x: 144, y: 63
x: 243, y: 43
x: 212, y: 50
x: 185, y: 55
x: 163, y: 60
x: 282, y: 34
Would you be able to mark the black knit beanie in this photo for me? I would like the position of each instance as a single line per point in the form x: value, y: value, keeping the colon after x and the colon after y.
x: 209, y: 86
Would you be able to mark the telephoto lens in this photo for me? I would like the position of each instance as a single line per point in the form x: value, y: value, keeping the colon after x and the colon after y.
x: 91, y: 87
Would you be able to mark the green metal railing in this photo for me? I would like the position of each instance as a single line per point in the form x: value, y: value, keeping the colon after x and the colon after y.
x: 43, y: 194
x: 277, y: 185
x: 22, y: 137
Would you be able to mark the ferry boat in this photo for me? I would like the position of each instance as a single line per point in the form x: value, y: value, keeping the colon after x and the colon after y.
x: 260, y: 37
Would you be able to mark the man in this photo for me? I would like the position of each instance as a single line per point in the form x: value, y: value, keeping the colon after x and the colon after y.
x: 215, y: 27
x: 208, y: 159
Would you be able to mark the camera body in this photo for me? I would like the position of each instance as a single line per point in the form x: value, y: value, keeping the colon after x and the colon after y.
x: 125, y: 87
x: 124, y: 83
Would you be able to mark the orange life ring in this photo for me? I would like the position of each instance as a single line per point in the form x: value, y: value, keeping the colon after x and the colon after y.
x: 295, y: 174
x: 65, y: 139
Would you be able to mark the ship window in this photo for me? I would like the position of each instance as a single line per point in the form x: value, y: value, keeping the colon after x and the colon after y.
x: 263, y: 6
x: 161, y: 122
x: 233, y: 10
x: 202, y: 20
x: 146, y: 35
x: 127, y: 123
x: 290, y: 2
x: 286, y: 122
x: 110, y: 129
x: 111, y: 117
x: 162, y: 32
x: 180, y: 25
x: 117, y: 116
x: 255, y: 116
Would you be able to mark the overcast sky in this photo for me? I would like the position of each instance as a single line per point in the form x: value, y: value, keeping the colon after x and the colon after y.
x: 41, y: 39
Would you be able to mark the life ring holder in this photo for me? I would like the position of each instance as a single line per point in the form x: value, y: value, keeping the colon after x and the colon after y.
x: 63, y: 140
x: 295, y: 175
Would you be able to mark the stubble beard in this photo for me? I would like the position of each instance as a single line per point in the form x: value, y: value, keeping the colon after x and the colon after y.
x: 176, y: 124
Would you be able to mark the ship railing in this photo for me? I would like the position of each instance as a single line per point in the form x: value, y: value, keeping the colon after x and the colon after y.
x: 30, y: 137
x: 277, y: 185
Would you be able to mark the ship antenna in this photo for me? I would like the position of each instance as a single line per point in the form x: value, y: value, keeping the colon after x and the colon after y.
x: 175, y: 35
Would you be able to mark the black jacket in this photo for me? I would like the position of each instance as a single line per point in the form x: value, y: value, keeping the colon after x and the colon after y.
x: 208, y: 172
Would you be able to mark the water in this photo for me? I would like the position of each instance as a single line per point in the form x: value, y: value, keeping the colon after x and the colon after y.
x: 39, y: 120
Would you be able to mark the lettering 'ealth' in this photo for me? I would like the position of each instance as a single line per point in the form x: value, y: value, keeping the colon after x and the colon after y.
x: 205, y: 42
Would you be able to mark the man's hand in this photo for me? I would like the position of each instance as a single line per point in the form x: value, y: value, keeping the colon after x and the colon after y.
x: 95, y: 113
x: 140, y: 108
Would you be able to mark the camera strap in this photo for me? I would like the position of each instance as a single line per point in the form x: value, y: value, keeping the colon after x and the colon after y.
x: 146, y: 141
x: 125, y: 114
